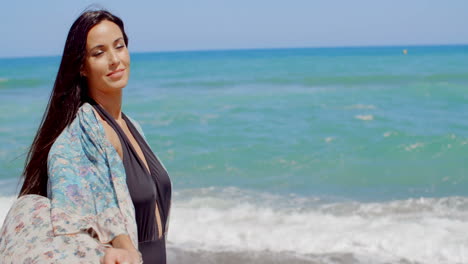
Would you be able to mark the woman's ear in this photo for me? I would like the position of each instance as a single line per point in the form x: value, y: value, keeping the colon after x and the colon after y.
x: 82, y: 71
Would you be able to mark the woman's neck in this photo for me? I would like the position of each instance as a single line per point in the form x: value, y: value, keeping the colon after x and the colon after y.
x: 112, y: 103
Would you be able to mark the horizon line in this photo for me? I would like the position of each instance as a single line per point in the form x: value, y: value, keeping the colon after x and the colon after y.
x: 263, y: 48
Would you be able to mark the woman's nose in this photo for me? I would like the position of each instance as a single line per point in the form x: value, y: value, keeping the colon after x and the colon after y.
x: 113, y: 58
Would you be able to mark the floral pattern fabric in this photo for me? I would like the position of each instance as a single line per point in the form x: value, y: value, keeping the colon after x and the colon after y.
x: 27, y: 237
x: 88, y: 201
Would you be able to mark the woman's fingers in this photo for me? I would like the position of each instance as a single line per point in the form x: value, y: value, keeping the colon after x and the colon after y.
x: 111, y: 256
x: 118, y: 256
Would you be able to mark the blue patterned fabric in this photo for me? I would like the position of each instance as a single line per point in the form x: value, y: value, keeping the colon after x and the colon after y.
x: 87, y: 181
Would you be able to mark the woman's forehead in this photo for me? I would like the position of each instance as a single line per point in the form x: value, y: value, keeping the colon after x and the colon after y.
x: 104, y: 33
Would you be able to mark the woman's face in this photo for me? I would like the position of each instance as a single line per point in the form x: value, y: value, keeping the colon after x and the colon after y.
x: 107, y: 62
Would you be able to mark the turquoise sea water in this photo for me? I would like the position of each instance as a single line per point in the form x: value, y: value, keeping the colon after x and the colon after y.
x: 329, y: 132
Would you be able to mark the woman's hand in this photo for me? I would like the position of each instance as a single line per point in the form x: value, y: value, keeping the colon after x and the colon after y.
x: 121, y: 256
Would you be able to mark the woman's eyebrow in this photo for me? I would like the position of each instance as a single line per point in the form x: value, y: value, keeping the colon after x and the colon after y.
x: 97, y: 46
x: 121, y: 38
x: 101, y: 45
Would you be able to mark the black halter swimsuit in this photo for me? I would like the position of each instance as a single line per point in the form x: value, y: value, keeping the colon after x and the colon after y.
x: 148, y: 189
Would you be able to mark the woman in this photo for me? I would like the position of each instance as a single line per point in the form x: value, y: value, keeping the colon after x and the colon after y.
x: 108, y: 196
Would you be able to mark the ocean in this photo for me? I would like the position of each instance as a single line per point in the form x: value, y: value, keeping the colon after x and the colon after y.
x: 306, y: 155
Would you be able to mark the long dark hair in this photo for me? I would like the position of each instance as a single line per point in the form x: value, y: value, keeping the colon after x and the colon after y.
x: 69, y: 93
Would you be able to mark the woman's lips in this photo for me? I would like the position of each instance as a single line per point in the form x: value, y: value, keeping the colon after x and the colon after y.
x: 116, y: 74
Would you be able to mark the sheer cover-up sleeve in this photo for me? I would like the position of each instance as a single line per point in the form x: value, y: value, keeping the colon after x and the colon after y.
x: 87, y: 184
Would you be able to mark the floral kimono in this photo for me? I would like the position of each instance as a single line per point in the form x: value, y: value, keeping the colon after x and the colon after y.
x: 88, y: 201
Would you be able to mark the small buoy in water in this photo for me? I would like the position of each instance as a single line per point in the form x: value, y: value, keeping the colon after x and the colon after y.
x: 405, y: 51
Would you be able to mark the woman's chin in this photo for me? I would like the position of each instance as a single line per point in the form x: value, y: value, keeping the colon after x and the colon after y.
x: 118, y: 85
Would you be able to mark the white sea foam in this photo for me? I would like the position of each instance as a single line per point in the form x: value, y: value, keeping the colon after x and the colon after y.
x: 425, y: 230
x: 204, y: 119
x: 388, y: 133
x: 287, y: 162
x: 364, y: 117
x: 421, y: 230
x: 5, y: 204
x: 414, y: 146
x: 329, y: 139
x: 361, y: 106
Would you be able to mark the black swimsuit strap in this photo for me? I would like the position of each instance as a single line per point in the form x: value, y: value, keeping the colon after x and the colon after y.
x: 122, y: 136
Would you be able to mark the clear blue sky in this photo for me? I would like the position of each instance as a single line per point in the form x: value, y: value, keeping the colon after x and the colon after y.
x: 35, y: 28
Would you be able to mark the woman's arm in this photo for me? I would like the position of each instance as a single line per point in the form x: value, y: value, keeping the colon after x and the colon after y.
x: 123, y: 242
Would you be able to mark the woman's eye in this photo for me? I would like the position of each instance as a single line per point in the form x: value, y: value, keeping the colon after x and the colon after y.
x: 96, y: 54
x: 120, y: 46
